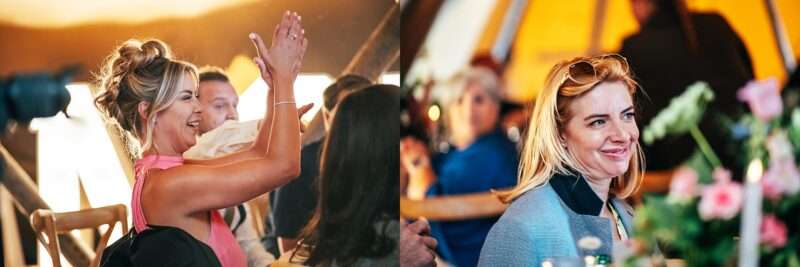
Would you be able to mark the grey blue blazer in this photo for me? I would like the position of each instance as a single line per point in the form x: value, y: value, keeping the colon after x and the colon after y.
x: 548, y: 221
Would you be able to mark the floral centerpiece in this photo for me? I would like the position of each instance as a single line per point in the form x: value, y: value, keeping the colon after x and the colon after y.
x: 700, y: 220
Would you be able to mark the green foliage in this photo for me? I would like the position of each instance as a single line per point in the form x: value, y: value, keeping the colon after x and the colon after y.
x: 683, y: 113
x: 677, y: 226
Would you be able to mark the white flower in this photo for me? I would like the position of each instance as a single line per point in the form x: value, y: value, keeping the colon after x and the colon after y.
x: 796, y: 118
x: 779, y: 147
x: 683, y: 113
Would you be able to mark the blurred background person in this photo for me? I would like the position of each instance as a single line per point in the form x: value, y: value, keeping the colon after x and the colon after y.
x: 513, y: 116
x: 673, y: 49
x: 481, y: 158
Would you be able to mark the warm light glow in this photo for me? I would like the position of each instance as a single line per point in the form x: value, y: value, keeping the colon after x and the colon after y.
x: 391, y: 78
x: 242, y: 72
x: 452, y: 38
x: 54, y: 13
x: 434, y: 113
x: 754, y: 171
x: 307, y: 89
x: 78, y: 148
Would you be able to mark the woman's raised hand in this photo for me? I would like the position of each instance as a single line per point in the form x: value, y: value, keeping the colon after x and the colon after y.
x: 282, y: 61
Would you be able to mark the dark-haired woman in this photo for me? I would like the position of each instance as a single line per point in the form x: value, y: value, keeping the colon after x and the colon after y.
x: 356, y: 221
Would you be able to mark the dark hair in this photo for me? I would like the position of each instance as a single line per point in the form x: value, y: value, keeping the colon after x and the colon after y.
x: 211, y: 73
x: 349, y: 82
x: 358, y: 184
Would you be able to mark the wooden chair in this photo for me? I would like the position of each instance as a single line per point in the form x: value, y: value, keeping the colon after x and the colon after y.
x: 12, y: 242
x: 47, y: 225
x: 259, y: 207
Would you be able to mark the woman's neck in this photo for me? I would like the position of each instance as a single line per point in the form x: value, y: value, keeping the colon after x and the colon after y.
x: 464, y: 139
x: 462, y: 142
x: 600, y: 187
x: 461, y: 138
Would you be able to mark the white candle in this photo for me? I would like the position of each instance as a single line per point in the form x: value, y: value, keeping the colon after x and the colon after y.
x: 751, y: 216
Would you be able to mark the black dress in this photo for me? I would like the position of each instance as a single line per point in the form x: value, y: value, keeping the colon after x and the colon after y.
x: 159, y: 246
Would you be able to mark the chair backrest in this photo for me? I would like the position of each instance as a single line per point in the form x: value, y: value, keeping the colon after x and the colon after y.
x: 259, y: 207
x: 453, y: 207
x: 654, y: 182
x: 48, y: 224
x: 486, y: 204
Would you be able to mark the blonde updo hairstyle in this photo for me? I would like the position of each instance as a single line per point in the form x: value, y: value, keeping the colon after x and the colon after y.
x: 543, y: 154
x: 139, y: 72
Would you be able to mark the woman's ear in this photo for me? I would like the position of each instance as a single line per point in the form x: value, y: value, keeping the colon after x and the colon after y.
x: 142, y: 109
x: 562, y: 140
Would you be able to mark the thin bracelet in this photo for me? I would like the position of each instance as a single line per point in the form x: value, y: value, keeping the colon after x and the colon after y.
x: 284, y: 102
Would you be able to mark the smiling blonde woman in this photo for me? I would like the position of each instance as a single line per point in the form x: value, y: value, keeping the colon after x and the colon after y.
x: 580, y: 160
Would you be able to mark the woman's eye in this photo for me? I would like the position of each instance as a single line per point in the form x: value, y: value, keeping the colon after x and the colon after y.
x: 597, y: 123
x: 630, y: 116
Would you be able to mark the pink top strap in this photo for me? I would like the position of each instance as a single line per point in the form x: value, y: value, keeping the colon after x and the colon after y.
x: 220, y: 239
x: 140, y: 169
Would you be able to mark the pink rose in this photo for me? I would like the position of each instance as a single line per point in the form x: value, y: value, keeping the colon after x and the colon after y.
x: 784, y: 174
x: 771, y: 187
x: 684, y: 184
x: 721, y: 200
x: 763, y: 97
x: 773, y: 231
x: 721, y: 174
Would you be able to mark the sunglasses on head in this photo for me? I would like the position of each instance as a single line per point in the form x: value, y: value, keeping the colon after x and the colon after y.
x: 583, y: 71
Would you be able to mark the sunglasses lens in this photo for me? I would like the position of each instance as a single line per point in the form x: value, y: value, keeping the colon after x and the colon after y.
x: 582, y: 72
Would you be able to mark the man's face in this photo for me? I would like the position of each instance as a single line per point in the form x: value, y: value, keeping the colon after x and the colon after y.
x: 218, y: 102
